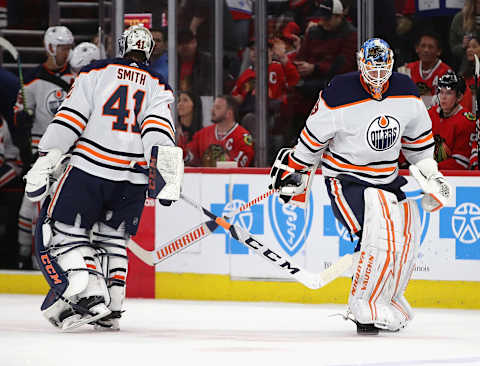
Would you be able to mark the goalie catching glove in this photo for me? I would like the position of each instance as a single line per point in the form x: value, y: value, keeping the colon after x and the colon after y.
x: 38, y: 177
x: 291, y: 177
x: 437, y: 190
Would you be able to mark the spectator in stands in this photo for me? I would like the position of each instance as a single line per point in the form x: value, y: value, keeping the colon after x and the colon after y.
x: 427, y: 70
x: 225, y: 140
x: 467, y: 71
x: 189, y: 110
x: 194, y: 67
x: 159, y: 59
x: 282, y: 77
x: 453, y: 127
x: 328, y: 49
x: 464, y: 24
x: 291, y: 36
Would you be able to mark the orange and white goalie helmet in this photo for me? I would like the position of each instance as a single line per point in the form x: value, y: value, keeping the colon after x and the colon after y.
x: 55, y: 36
x: 375, y: 61
x: 136, y: 38
x: 83, y: 54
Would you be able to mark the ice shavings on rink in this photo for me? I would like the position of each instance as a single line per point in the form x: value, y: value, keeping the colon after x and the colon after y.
x: 164, y: 332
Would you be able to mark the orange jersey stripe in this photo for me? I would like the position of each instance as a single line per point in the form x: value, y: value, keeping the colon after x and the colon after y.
x: 151, y: 121
x: 345, y: 212
x: 71, y: 119
x: 108, y: 158
x: 426, y: 138
x: 356, y: 167
x: 316, y: 144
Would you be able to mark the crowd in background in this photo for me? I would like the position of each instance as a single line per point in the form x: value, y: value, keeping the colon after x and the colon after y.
x: 309, y: 42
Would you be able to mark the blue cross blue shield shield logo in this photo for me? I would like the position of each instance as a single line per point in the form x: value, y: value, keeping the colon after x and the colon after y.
x: 290, y: 224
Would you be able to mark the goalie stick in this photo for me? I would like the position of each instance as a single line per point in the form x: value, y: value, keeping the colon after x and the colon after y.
x: 188, y: 238
x: 313, y: 281
x: 10, y: 48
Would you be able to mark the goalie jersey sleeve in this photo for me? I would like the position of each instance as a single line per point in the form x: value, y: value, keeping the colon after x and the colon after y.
x: 114, y: 113
x: 354, y: 134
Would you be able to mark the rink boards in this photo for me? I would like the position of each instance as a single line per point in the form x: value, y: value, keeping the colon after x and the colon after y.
x: 219, y: 268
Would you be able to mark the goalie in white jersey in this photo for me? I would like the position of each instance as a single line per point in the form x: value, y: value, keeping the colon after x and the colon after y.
x: 359, y: 125
x: 114, y: 121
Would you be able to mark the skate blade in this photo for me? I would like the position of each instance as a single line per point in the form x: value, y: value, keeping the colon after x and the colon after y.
x: 71, y: 325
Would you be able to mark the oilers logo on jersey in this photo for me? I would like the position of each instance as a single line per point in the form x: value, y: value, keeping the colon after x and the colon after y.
x: 54, y: 99
x: 383, y: 133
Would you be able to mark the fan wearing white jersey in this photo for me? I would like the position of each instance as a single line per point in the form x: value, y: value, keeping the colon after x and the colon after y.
x: 115, y: 120
x: 359, y: 125
x: 45, y: 89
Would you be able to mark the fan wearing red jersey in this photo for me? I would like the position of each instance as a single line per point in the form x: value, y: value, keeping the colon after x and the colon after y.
x: 452, y: 126
x: 429, y: 68
x: 225, y: 140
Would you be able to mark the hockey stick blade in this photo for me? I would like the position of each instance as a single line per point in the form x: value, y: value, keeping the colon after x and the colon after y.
x: 173, y: 246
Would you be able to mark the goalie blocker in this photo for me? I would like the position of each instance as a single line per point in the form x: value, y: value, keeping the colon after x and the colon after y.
x: 292, y: 178
x: 165, y: 174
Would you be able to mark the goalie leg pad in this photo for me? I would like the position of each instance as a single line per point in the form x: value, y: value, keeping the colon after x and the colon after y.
x: 69, y: 263
x: 383, y: 240
x: 113, y: 243
x: 165, y: 173
x: 406, y: 260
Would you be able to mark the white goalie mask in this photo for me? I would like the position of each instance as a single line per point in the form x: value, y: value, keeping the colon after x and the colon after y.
x: 136, y: 38
x: 55, y: 36
x: 83, y: 54
x: 375, y: 61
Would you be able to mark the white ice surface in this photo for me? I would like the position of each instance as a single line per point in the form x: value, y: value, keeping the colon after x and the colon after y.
x: 172, y: 333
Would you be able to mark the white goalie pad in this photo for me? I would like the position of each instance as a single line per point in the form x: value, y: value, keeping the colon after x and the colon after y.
x: 165, y: 172
x: 387, y: 254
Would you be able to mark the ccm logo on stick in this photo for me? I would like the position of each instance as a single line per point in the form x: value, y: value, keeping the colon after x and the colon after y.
x: 274, y: 257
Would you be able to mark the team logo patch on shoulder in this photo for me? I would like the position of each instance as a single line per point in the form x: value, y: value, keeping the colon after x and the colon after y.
x: 247, y: 138
x: 470, y: 116
x: 383, y: 133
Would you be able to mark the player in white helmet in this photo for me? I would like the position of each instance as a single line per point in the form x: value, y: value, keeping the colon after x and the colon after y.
x: 82, y: 55
x: 117, y: 122
x: 45, y: 89
x: 359, y: 125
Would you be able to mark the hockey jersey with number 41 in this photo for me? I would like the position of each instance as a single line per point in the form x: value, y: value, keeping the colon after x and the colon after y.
x: 357, y: 135
x: 115, y: 112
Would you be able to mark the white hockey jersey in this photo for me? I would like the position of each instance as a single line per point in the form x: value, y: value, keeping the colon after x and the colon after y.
x: 43, y: 98
x: 114, y: 113
x: 357, y: 135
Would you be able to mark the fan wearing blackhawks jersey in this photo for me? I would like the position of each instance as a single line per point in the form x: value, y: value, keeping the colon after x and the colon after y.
x: 452, y: 126
x: 116, y: 120
x: 225, y: 140
x: 357, y: 129
x: 45, y: 89
x: 429, y: 68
